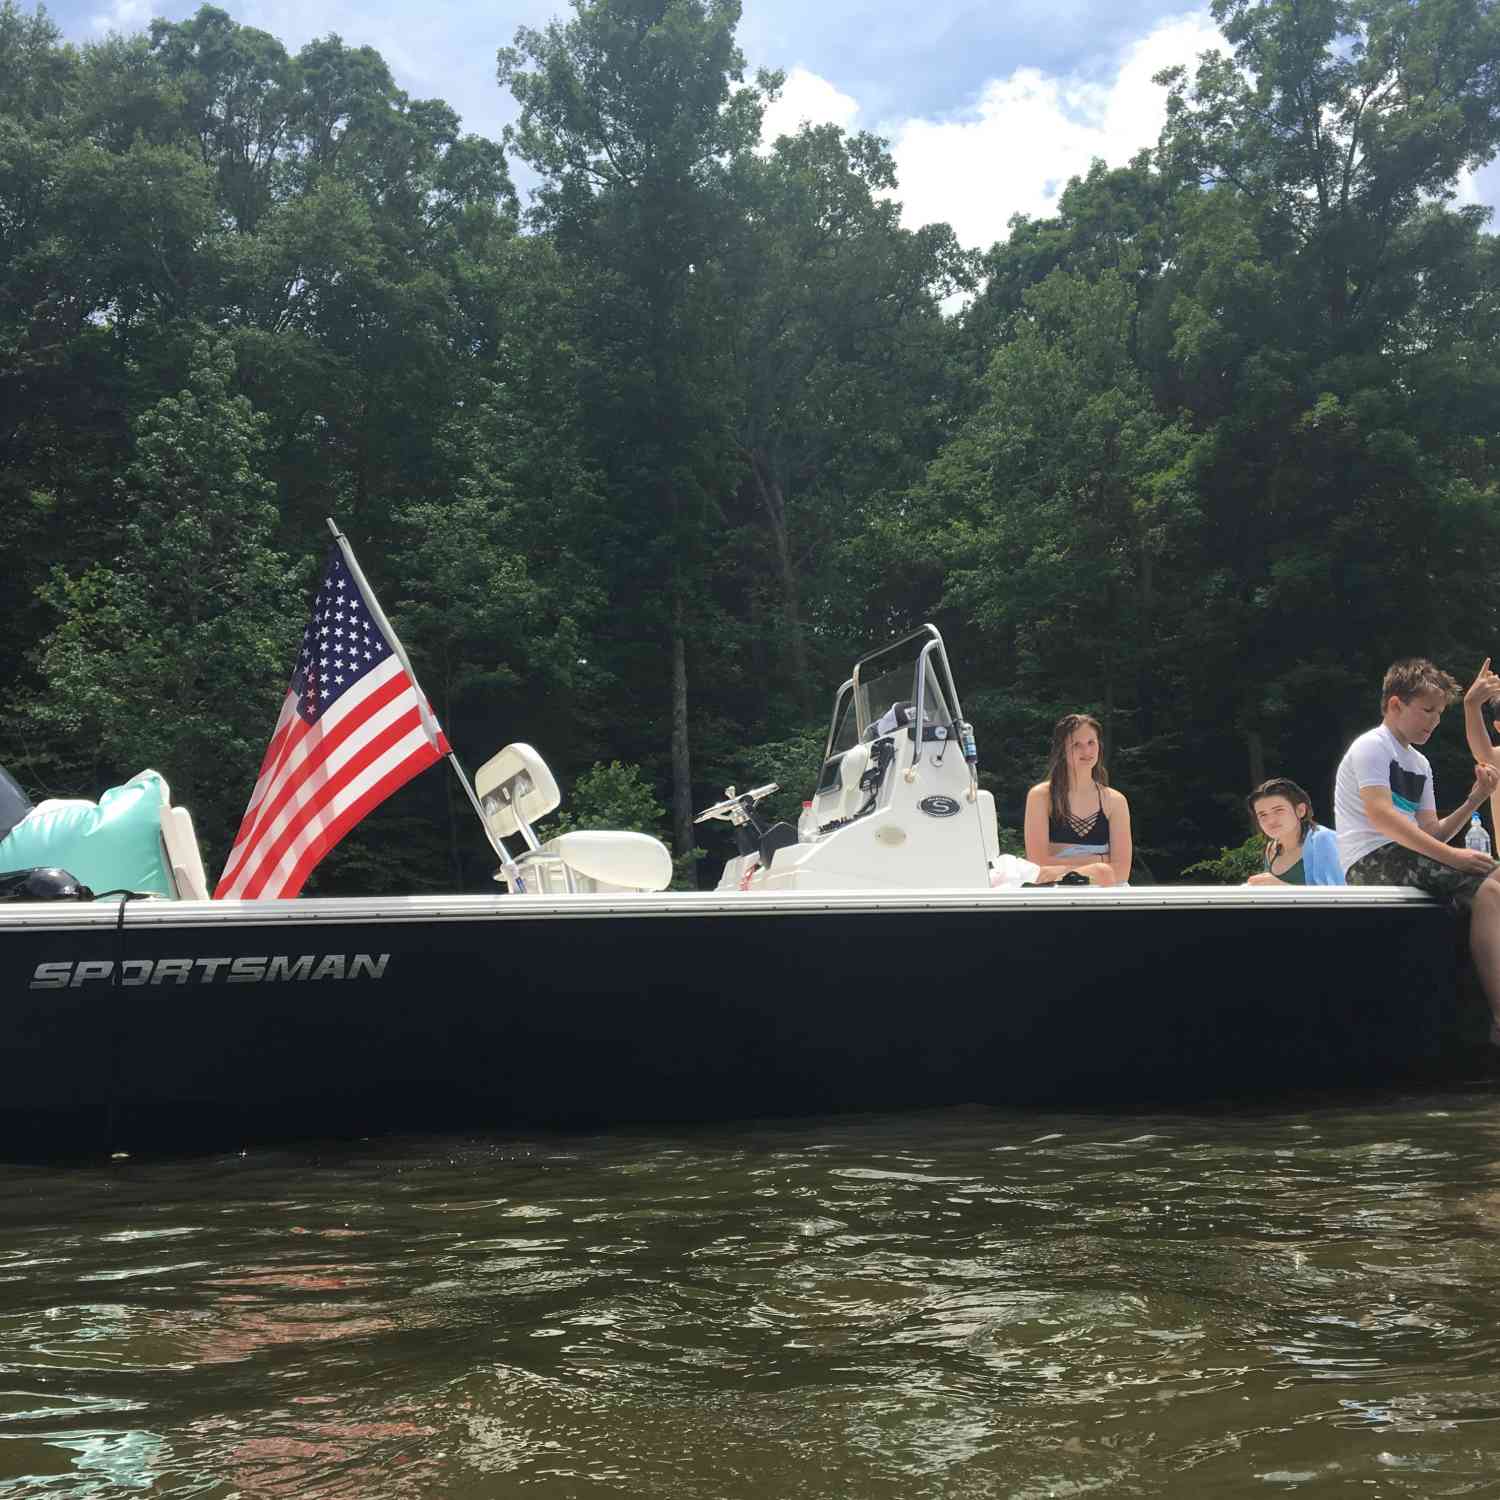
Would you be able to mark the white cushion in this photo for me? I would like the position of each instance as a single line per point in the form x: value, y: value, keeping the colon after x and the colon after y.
x: 989, y: 826
x: 635, y: 861
x: 183, y: 854
x: 515, y: 780
x: 855, y: 763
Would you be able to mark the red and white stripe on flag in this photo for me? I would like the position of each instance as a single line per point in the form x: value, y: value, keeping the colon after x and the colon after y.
x: 319, y: 779
x: 353, y: 727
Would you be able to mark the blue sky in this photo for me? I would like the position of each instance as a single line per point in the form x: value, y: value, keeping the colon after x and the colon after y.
x: 989, y: 107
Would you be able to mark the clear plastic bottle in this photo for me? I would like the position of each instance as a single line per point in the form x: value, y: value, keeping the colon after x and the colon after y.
x: 1476, y: 837
x: 807, y: 821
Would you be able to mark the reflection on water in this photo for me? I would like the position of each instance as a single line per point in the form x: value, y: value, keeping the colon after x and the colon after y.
x: 970, y: 1303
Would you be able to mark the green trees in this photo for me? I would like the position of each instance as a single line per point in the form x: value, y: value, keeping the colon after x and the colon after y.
x: 353, y: 254
x: 1062, y: 514
x: 838, y: 359
x: 637, y: 479
x: 1334, y: 127
x: 173, y: 652
x: 765, y: 339
x: 1225, y: 462
x: 1321, y: 305
x: 631, y: 114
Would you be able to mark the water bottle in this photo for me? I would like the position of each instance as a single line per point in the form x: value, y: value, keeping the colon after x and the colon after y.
x: 807, y: 821
x: 1476, y: 837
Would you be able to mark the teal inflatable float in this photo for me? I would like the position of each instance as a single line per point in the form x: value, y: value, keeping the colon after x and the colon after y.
x: 114, y: 844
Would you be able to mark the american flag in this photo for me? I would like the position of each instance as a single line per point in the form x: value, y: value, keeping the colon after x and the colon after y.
x: 353, y: 727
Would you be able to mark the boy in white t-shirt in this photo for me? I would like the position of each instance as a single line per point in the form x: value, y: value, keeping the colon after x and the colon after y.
x: 1386, y: 815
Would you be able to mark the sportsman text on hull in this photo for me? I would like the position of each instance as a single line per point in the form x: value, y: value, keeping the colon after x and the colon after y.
x: 249, y: 969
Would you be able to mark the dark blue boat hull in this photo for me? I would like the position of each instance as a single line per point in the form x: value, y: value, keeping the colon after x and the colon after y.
x: 350, y: 1018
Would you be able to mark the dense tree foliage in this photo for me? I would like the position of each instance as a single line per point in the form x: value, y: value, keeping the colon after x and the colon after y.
x: 639, y: 472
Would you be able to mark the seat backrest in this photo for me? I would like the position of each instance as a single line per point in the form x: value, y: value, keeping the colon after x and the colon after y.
x: 989, y: 825
x: 184, y: 858
x: 852, y: 768
x: 515, y: 780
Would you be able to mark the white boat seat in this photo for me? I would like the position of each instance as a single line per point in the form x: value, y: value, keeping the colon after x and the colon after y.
x: 514, y: 788
x: 184, y: 858
x: 852, y: 768
x: 609, y: 859
x: 989, y: 825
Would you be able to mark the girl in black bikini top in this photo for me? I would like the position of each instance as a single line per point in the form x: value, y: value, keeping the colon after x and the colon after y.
x: 1069, y: 829
x: 1068, y: 816
x: 1065, y: 815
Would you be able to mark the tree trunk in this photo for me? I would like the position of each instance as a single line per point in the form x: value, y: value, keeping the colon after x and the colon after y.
x: 1112, y: 615
x: 362, y: 463
x: 1256, y: 748
x: 773, y: 500
x: 682, y: 777
x: 1145, y: 705
x: 1338, y: 298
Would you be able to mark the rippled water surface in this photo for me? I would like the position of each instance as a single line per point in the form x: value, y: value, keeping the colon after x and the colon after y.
x: 960, y: 1304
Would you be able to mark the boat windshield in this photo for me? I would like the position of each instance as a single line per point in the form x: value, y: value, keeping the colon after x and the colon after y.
x: 845, y: 732
x: 889, y: 680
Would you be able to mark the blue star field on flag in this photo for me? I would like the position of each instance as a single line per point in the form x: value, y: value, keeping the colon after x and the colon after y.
x: 341, y: 643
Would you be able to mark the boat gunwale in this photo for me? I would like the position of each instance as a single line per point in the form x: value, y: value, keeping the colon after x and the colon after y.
x: 403, y: 910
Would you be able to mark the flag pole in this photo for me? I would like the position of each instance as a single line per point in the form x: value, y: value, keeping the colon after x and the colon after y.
x: 429, y: 722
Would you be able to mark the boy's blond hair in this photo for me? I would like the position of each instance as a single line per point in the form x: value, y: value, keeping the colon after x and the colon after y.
x: 1415, y: 674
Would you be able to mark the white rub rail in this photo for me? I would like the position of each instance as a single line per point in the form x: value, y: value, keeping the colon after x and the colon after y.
x: 313, y: 911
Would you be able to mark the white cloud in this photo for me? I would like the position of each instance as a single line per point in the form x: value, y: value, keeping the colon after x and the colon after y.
x: 1030, y: 131
x: 124, y: 16
x: 1482, y: 187
x: 807, y: 99
x: 442, y: 48
x: 413, y: 69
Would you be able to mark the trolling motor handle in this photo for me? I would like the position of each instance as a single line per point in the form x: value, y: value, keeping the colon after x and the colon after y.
x: 737, y: 807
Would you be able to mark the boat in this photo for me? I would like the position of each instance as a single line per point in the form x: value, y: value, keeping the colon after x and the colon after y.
x: 878, y: 955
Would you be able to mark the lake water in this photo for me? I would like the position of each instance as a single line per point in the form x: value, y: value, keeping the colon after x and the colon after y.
x: 966, y: 1303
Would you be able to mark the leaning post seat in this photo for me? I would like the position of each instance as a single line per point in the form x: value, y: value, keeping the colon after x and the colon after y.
x: 515, y: 789
x: 594, y: 862
x: 610, y: 860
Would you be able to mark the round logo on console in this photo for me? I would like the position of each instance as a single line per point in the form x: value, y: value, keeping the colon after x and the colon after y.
x: 938, y: 807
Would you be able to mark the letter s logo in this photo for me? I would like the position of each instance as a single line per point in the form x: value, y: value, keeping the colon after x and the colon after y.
x: 51, y: 976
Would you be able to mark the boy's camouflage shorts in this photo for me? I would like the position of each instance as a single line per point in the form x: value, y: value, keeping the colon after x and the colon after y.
x: 1394, y: 864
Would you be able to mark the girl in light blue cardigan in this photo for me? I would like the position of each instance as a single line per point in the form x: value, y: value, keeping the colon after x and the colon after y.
x: 1298, y: 850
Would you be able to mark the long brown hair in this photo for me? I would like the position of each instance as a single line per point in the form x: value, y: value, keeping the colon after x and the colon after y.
x: 1057, y: 763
